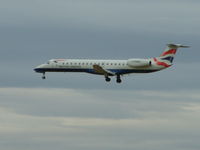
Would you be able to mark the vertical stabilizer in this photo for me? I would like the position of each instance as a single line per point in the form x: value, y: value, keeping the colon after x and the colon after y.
x: 171, y: 49
x: 167, y: 57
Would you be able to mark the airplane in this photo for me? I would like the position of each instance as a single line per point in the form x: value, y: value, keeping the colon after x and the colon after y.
x: 109, y: 68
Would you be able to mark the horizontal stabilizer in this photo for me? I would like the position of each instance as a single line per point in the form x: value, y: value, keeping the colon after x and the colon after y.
x: 177, y: 46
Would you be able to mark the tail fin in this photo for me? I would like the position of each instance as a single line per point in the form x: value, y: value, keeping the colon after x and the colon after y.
x: 167, y: 57
x: 171, y: 49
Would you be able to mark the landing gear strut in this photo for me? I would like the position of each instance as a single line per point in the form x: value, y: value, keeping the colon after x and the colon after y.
x: 118, y: 79
x: 43, y: 76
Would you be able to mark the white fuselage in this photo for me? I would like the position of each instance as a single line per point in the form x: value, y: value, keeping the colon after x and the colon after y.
x: 87, y: 65
x: 112, y: 67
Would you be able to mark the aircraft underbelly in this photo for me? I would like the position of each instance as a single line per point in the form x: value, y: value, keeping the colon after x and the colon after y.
x: 92, y: 71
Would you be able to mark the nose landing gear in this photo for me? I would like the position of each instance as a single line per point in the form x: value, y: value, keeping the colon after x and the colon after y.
x: 43, y: 76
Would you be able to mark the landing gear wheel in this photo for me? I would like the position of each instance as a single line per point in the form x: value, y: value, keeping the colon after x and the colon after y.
x: 107, y: 79
x: 43, y: 76
x: 118, y: 79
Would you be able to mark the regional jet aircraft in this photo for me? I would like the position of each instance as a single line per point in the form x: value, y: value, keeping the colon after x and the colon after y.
x: 109, y: 68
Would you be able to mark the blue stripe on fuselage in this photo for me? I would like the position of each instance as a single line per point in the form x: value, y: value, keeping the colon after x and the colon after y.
x: 116, y: 71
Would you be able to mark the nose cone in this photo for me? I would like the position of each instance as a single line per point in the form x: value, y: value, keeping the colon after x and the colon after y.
x: 39, y: 68
x: 36, y: 69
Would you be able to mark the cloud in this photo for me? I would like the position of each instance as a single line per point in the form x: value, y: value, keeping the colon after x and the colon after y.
x: 96, y: 119
x: 118, y: 104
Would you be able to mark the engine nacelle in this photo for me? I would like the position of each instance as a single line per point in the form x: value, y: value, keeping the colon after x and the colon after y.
x: 139, y: 63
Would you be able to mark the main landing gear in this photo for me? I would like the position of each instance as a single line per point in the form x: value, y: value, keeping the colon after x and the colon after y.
x: 118, y: 80
x: 43, y: 76
x: 107, y: 79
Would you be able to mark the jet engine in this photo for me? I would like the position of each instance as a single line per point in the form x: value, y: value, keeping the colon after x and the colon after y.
x: 137, y: 63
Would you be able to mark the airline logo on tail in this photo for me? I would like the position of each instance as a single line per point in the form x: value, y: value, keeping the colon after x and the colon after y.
x: 161, y: 62
x: 167, y: 57
x: 168, y: 52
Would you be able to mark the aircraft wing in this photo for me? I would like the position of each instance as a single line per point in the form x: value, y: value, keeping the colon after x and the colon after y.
x: 98, y: 69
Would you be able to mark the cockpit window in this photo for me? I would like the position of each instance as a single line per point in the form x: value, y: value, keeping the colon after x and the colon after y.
x: 52, y: 61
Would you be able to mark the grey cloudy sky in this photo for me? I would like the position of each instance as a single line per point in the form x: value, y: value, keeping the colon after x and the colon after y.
x: 81, y: 111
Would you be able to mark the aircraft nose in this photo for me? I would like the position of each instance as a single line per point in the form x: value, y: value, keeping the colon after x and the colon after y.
x: 38, y: 68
